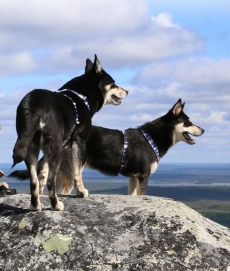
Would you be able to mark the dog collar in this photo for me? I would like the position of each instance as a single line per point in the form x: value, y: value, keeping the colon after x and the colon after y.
x: 151, y: 143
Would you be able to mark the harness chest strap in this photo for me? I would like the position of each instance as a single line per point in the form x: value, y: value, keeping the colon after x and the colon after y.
x: 126, y: 143
x: 151, y: 143
x: 85, y: 100
x: 124, y: 155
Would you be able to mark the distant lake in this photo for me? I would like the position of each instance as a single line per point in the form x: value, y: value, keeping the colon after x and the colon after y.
x: 182, y: 174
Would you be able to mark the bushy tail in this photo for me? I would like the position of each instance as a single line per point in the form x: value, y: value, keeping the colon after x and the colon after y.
x: 20, y: 174
x: 26, y: 125
x: 24, y: 174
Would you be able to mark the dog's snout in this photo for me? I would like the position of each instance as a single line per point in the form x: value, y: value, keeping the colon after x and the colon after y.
x: 202, y: 130
x: 126, y: 92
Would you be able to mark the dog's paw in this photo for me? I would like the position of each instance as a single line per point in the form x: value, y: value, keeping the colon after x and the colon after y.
x: 59, y: 206
x: 83, y: 194
x: 38, y: 207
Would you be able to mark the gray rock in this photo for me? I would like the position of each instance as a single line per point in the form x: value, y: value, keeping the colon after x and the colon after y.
x: 106, y: 233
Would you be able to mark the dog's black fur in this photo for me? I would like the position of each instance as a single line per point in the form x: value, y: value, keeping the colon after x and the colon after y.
x: 45, y: 120
x: 105, y: 149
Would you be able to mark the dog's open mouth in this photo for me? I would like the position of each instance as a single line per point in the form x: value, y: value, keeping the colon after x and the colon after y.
x: 188, y: 138
x: 116, y: 99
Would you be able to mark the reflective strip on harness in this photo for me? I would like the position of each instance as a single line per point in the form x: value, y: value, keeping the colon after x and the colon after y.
x: 85, y: 100
x: 151, y: 143
x: 124, y: 155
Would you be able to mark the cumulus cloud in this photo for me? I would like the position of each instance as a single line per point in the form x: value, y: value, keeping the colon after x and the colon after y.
x: 61, y: 37
x: 190, y: 70
x: 157, y: 60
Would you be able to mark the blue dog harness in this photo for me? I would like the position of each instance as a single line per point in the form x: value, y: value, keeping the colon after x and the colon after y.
x: 151, y: 142
x: 124, y: 155
x: 85, y: 100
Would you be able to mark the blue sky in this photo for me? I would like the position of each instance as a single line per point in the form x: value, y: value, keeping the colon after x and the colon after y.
x: 158, y: 50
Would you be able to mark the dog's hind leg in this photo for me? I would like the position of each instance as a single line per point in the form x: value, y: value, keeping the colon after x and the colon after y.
x: 54, y: 163
x: 79, y: 161
x: 138, y: 185
x: 43, y: 175
x: 31, y: 163
x: 52, y: 149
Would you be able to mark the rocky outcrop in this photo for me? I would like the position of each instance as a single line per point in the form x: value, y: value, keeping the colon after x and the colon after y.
x: 4, y: 189
x: 114, y: 232
x: 1, y: 174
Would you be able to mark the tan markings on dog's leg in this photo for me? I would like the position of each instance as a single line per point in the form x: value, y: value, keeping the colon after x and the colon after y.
x: 56, y: 204
x: 78, y: 168
x: 153, y: 167
x: 64, y: 185
x: 133, y: 186
x: 80, y: 189
x: 42, y: 177
x: 34, y: 192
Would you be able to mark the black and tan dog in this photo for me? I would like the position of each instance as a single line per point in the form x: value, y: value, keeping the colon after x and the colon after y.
x: 144, y: 147
x: 48, y: 120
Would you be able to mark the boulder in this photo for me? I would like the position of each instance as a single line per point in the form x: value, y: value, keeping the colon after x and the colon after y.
x: 4, y: 190
x: 110, y: 232
x: 1, y: 174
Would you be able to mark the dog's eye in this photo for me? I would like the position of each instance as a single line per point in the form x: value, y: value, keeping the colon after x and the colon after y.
x: 112, y: 86
x: 187, y: 123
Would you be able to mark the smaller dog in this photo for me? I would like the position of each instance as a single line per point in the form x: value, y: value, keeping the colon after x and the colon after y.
x: 134, y: 153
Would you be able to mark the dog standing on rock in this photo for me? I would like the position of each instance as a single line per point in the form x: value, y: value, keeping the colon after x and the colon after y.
x: 48, y: 120
x: 134, y: 153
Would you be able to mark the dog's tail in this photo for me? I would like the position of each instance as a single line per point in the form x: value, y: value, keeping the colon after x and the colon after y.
x: 26, y: 125
x: 20, y: 174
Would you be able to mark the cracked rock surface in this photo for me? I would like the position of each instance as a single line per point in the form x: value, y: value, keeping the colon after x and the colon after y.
x: 110, y: 232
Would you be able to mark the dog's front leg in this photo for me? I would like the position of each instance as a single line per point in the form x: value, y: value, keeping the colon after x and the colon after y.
x: 79, y: 158
x: 138, y: 185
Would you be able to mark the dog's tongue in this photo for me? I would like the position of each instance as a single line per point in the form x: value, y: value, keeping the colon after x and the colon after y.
x: 116, y: 99
x: 186, y: 135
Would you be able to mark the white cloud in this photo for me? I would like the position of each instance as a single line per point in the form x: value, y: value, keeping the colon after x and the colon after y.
x: 18, y: 63
x: 66, y: 32
x: 190, y: 70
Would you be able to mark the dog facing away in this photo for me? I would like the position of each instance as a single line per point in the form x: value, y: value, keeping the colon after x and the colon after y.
x: 105, y: 151
x: 46, y: 120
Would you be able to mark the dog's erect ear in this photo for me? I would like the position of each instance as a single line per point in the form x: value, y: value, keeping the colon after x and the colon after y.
x: 178, y: 108
x: 97, y: 64
x: 88, y: 66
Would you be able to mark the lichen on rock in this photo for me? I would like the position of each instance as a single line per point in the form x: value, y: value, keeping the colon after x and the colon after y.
x: 106, y: 233
x: 57, y: 242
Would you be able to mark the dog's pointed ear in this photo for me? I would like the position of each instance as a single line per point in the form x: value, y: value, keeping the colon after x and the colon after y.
x: 178, y: 108
x: 88, y: 66
x: 97, y: 65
